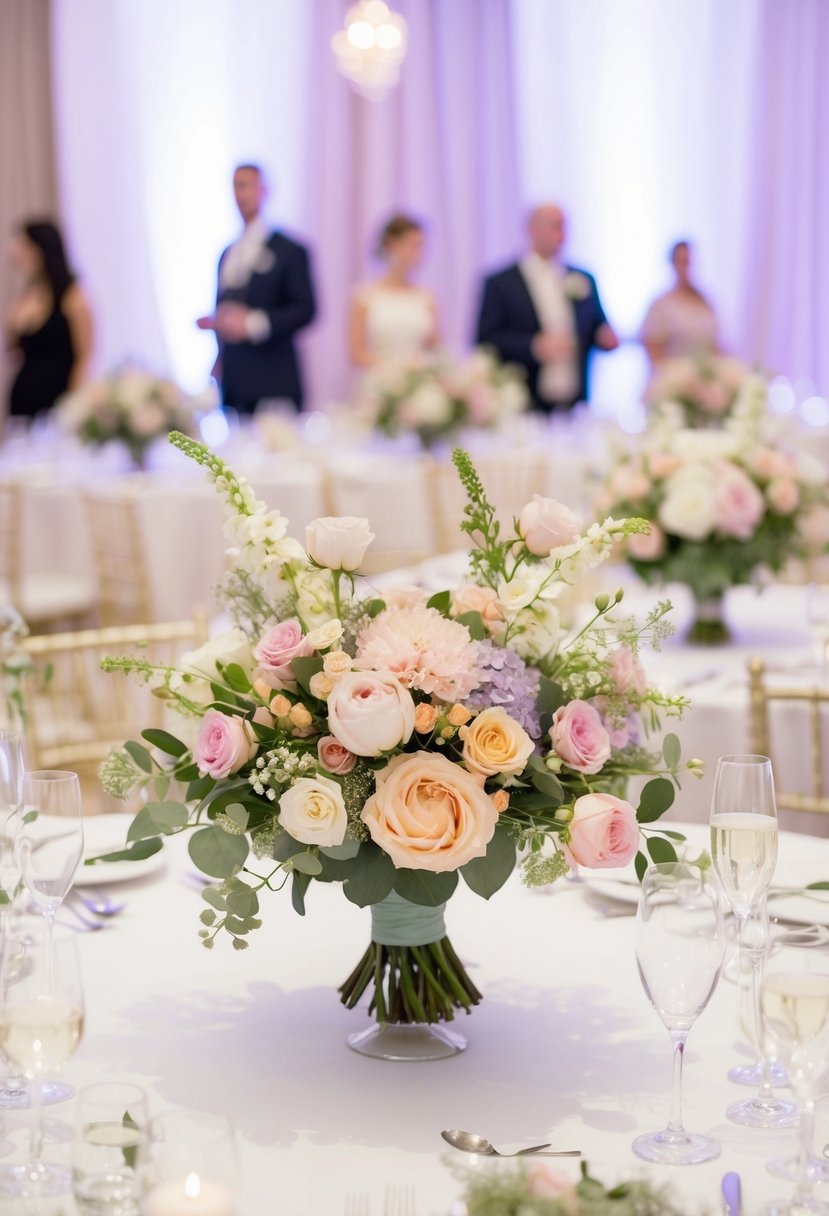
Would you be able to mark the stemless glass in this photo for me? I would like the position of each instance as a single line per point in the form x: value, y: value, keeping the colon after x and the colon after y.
x: 50, y: 839
x: 794, y: 1004
x: 680, y: 946
x: 744, y: 851
x: 109, y: 1152
x: 192, y: 1165
x: 41, y: 1021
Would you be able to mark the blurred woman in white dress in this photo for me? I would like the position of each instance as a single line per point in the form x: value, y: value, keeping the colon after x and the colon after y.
x: 681, y: 322
x: 393, y: 319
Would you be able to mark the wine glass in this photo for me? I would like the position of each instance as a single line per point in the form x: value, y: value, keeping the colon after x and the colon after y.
x: 744, y: 851
x: 50, y: 839
x: 794, y: 1007
x: 13, y: 1094
x: 680, y: 946
x: 41, y: 1021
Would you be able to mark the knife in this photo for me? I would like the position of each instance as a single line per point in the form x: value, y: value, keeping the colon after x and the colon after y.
x: 731, y: 1194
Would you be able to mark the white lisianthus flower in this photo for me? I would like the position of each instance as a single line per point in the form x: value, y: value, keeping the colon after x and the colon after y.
x: 537, y: 634
x: 313, y: 812
x: 689, y: 506
x: 516, y: 594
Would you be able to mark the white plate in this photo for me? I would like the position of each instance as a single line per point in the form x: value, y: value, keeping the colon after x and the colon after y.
x: 796, y: 867
x: 106, y: 834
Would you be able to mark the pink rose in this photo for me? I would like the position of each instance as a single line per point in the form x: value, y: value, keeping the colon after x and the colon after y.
x: 783, y: 495
x: 544, y: 1183
x: 370, y: 712
x: 579, y: 737
x: 714, y: 397
x: 627, y: 673
x: 334, y: 757
x: 738, y: 504
x: 603, y: 832
x: 429, y: 814
x: 224, y: 744
x: 647, y: 546
x: 813, y: 526
x: 275, y: 651
x: 767, y: 464
x: 545, y: 524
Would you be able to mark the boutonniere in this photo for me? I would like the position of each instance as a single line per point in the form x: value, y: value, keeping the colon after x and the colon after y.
x: 576, y: 285
x: 265, y: 260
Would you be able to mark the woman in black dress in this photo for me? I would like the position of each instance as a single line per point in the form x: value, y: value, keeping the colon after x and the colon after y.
x: 49, y: 322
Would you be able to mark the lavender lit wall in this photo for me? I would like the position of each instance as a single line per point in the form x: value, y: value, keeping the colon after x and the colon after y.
x: 649, y: 120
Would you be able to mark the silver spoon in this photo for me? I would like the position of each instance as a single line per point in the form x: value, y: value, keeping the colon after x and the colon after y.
x: 468, y: 1142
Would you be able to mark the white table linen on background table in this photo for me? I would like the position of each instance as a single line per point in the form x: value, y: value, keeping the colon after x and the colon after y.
x: 564, y: 1047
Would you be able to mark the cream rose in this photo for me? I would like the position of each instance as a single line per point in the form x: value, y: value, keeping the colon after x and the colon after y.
x: 546, y: 524
x: 338, y: 542
x: 313, y: 812
x: 688, y: 508
x: 495, y: 743
x: 603, y: 832
x: 370, y: 712
x: 325, y: 635
x: 429, y: 814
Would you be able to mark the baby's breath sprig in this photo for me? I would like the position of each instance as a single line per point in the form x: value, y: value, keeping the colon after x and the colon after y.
x: 278, y: 769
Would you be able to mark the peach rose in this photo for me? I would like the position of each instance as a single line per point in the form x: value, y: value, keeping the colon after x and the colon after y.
x: 426, y: 716
x: 495, y: 743
x: 370, y: 712
x: 579, y: 737
x: 429, y: 814
x: 662, y: 464
x: 603, y: 832
x: 334, y: 757
x: 545, y: 524
x: 223, y: 745
x: 647, y: 546
x: 783, y: 495
x: 469, y: 597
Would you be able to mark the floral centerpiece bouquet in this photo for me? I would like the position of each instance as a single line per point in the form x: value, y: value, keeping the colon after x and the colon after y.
x: 700, y: 391
x: 723, y: 506
x: 436, y: 398
x: 535, y: 1190
x: 399, y: 744
x: 130, y: 405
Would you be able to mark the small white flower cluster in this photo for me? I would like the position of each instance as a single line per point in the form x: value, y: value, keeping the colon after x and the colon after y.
x: 278, y: 768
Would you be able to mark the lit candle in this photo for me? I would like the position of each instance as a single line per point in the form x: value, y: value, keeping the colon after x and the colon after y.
x: 191, y: 1196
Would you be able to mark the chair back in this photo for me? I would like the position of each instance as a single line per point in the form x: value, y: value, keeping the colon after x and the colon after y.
x: 510, y: 479
x: 10, y: 535
x: 119, y: 552
x: 813, y: 797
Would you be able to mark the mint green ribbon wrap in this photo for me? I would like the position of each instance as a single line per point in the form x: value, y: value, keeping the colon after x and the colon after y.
x: 396, y: 922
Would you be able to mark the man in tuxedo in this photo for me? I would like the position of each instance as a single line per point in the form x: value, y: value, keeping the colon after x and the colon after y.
x: 546, y: 316
x: 265, y: 296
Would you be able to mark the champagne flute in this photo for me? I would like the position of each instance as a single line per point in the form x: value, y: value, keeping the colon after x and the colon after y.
x: 680, y: 946
x: 744, y: 851
x: 794, y: 1006
x: 50, y: 839
x: 41, y: 1021
x: 13, y: 1092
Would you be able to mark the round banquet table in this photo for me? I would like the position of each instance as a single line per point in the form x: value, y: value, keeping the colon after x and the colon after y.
x: 564, y: 1047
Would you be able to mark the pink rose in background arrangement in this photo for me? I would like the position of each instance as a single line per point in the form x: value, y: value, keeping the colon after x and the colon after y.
x: 783, y: 495
x: 714, y: 397
x: 546, y: 524
x: 662, y: 464
x: 370, y: 712
x: 738, y: 504
x: 544, y: 1183
x: 603, y: 832
x: 579, y: 737
x: 627, y: 673
x: 647, y: 546
x: 275, y: 651
x: 334, y: 757
x: 223, y: 745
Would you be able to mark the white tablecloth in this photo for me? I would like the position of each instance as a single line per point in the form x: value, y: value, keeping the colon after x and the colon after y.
x: 564, y: 1047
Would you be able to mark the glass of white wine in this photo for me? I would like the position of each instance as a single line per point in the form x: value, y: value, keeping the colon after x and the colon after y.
x: 744, y: 850
x: 41, y: 1022
x: 680, y: 944
x: 794, y: 1005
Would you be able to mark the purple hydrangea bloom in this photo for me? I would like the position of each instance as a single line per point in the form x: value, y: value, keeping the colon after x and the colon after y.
x: 506, y: 680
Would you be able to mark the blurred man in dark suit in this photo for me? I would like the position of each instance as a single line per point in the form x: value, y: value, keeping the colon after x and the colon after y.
x: 546, y: 315
x: 265, y: 296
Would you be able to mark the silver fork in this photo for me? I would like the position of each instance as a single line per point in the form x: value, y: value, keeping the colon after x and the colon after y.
x: 84, y: 921
x: 356, y: 1203
x: 400, y: 1200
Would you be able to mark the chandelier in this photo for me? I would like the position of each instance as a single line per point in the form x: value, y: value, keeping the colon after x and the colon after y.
x: 371, y: 47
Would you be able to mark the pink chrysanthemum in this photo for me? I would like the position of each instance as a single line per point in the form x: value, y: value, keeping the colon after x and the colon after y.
x: 423, y: 649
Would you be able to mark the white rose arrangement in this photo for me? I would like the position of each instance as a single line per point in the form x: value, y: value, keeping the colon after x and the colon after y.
x: 435, y: 397
x: 400, y: 745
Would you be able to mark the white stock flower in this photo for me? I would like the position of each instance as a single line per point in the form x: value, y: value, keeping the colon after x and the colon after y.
x: 689, y: 506
x: 538, y: 632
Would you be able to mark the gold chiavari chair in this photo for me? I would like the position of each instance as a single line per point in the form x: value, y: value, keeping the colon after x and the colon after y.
x: 510, y: 479
x: 119, y: 550
x: 45, y: 601
x: 815, y: 700
x: 75, y: 713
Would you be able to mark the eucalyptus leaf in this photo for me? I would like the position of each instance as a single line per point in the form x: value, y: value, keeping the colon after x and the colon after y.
x: 243, y: 900
x: 136, y: 852
x: 285, y: 846
x: 140, y: 755
x: 474, y: 622
x: 657, y: 795
x: 548, y: 784
x: 164, y: 741
x: 486, y: 875
x: 660, y: 849
x: 236, y: 677
x: 199, y: 788
x: 217, y: 853
x: 306, y: 863
x: 342, y: 852
x: 640, y: 865
x: 671, y: 750
x: 157, y: 819
x: 372, y: 880
x: 299, y: 886
x: 211, y: 896
x: 237, y: 814
x: 442, y: 601
x: 425, y: 888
